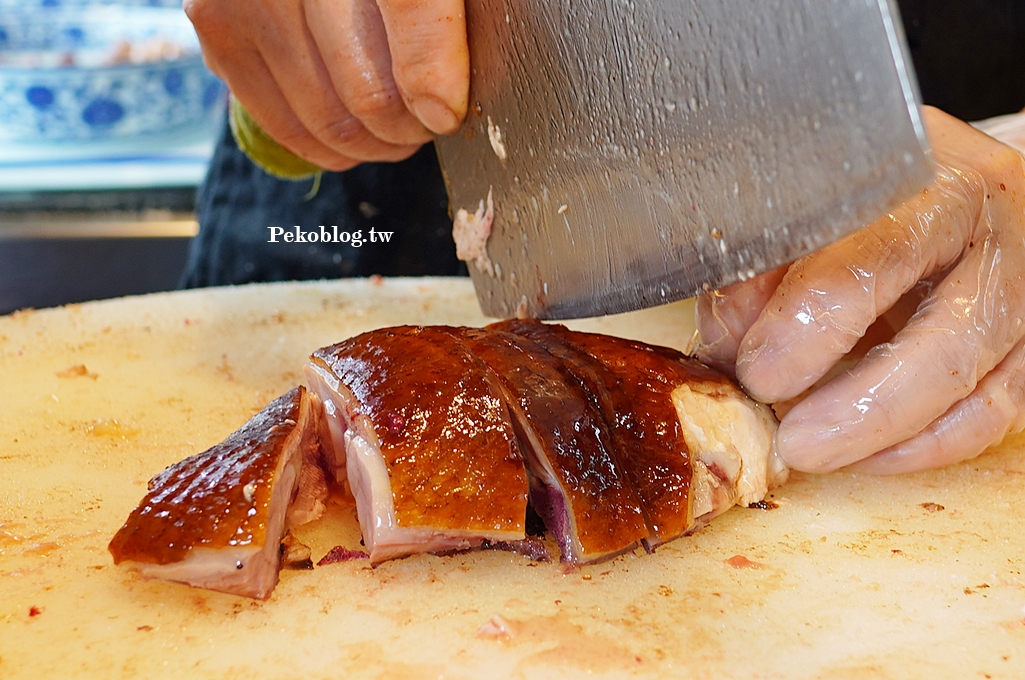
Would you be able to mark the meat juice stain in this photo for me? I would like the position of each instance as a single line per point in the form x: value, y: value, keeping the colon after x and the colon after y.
x: 341, y: 554
x: 742, y: 562
x: 77, y: 371
x: 42, y: 549
x: 111, y: 427
x: 575, y: 646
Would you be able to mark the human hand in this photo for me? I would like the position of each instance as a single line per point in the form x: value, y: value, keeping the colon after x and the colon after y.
x: 339, y: 82
x: 951, y: 380
x: 1009, y: 129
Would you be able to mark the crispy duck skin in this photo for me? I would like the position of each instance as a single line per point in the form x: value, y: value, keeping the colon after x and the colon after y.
x: 651, y: 396
x: 442, y: 434
x: 216, y: 520
x: 632, y: 387
x: 577, y: 486
x: 431, y: 455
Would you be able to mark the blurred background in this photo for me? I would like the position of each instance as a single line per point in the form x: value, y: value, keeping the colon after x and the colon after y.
x: 108, y: 118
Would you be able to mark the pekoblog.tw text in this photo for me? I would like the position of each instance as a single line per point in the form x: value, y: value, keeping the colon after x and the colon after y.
x: 330, y: 234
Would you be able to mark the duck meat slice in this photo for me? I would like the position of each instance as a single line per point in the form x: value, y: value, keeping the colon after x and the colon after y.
x: 729, y: 436
x: 217, y: 519
x: 732, y: 439
x: 692, y: 442
x: 632, y: 389
x: 429, y: 449
x: 577, y: 485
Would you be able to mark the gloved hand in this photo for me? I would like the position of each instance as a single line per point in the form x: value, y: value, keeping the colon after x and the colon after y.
x: 339, y: 82
x: 1009, y: 129
x: 951, y: 380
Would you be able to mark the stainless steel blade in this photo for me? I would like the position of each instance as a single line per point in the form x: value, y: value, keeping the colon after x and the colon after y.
x: 641, y: 151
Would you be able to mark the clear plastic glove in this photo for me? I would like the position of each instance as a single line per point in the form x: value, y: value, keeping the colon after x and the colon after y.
x: 938, y: 385
x: 339, y: 82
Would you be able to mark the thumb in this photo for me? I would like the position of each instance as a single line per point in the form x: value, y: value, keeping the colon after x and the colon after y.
x: 430, y: 59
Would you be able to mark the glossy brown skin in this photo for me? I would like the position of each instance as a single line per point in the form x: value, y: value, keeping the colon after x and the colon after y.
x: 635, y: 402
x: 632, y: 382
x: 574, y: 438
x: 203, y: 501
x: 662, y: 460
x: 445, y: 433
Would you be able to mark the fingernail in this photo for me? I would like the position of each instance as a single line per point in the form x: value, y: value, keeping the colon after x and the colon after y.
x: 716, y: 345
x: 766, y: 368
x: 803, y: 448
x: 437, y: 117
x: 714, y: 349
x: 757, y: 369
x: 713, y: 332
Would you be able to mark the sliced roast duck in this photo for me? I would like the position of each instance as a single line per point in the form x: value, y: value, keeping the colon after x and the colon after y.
x: 445, y: 435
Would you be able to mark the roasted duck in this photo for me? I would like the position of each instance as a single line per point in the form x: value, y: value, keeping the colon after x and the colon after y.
x: 444, y: 436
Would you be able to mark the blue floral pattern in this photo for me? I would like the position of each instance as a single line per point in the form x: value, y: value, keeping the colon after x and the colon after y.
x: 52, y: 4
x: 80, y: 103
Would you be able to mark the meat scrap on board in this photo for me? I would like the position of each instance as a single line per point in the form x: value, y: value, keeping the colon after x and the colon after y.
x: 443, y: 436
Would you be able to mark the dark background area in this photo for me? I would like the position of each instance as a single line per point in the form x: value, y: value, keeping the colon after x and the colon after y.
x: 69, y: 262
x: 969, y: 55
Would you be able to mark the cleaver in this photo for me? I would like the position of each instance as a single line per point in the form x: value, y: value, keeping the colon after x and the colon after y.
x: 635, y: 152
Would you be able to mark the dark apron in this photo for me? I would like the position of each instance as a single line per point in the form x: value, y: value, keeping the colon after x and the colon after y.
x: 241, y: 208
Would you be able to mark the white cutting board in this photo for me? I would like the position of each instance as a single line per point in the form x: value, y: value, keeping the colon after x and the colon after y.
x: 851, y: 576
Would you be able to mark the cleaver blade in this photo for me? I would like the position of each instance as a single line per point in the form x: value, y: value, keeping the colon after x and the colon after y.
x: 638, y: 152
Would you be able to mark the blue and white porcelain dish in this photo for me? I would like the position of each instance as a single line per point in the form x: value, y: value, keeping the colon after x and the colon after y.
x: 53, y: 4
x: 101, y: 72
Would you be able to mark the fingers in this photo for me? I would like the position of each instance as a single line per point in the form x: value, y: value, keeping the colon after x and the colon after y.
x: 902, y: 386
x: 964, y: 329
x: 828, y: 299
x: 293, y: 57
x: 269, y: 55
x: 360, y: 68
x: 724, y: 316
x: 995, y: 409
x: 266, y: 103
x: 430, y: 58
